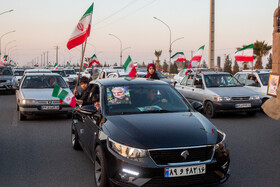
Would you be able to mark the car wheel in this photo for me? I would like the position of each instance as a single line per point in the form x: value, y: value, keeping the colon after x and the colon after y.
x: 251, y: 113
x: 209, y: 110
x: 69, y: 115
x: 99, y: 168
x: 21, y: 117
x: 75, y: 139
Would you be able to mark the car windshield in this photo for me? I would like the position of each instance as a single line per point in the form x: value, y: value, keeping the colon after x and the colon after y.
x: 137, y: 99
x: 264, y: 78
x: 5, y: 71
x: 221, y: 80
x: 18, y: 73
x: 43, y: 81
x: 62, y: 73
x: 70, y: 72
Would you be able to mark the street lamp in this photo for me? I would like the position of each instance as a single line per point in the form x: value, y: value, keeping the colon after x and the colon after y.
x: 176, y: 40
x: 6, y: 12
x: 120, y: 48
x: 11, y: 48
x: 7, y: 45
x: 126, y: 49
x: 1, y: 40
x: 169, y: 38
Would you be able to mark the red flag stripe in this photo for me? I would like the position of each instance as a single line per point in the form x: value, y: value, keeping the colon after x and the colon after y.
x: 133, y: 72
x: 73, y: 42
x: 244, y: 58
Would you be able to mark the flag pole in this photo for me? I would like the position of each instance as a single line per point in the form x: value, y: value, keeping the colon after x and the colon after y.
x: 82, y: 60
x: 197, y: 69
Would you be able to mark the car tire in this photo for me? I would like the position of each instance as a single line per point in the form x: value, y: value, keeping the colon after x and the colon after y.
x: 75, y: 139
x: 100, y: 178
x: 69, y: 115
x: 251, y: 113
x: 21, y: 117
x: 209, y: 109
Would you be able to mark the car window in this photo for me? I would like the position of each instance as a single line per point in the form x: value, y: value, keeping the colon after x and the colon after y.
x: 242, y: 78
x: 252, y: 81
x: 70, y: 72
x: 190, y: 80
x: 135, y: 99
x: 221, y: 80
x: 18, y: 73
x: 5, y: 71
x: 62, y: 73
x: 264, y: 77
x: 198, y: 81
x: 43, y: 81
x: 111, y: 75
x: 182, y: 73
x: 184, y: 81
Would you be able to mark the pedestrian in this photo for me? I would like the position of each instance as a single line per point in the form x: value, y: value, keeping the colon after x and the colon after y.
x: 151, y: 68
x: 82, y: 98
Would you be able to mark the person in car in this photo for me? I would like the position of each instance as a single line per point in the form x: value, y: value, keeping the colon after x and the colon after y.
x: 52, y: 82
x: 151, y: 68
x: 82, y: 98
x: 120, y: 96
x: 96, y: 102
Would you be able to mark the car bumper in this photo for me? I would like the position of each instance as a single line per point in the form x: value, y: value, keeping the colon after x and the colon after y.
x: 37, y: 109
x: 231, y: 106
x: 4, y: 87
x: 153, y: 175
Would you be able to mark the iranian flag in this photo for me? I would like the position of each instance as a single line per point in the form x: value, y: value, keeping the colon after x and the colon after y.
x: 245, y: 54
x: 82, y: 30
x: 179, y: 57
x: 64, y: 96
x: 129, y: 67
x: 92, y: 60
x: 55, y: 66
x: 196, y: 58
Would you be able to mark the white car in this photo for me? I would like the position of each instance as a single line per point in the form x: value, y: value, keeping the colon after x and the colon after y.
x: 34, y: 95
x: 71, y: 74
x: 247, y: 78
x: 37, y: 71
x: 123, y: 74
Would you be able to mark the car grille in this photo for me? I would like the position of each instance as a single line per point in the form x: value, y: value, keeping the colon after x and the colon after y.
x: 207, y: 178
x: 1, y: 81
x: 47, y: 102
x: 163, y: 157
x: 240, y: 98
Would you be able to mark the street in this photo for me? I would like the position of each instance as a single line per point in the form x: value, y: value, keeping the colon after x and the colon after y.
x: 38, y: 152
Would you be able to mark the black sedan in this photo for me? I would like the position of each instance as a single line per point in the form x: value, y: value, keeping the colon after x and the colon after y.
x: 145, y: 133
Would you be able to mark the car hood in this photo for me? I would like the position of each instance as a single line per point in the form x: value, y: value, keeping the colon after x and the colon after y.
x: 6, y: 77
x: 40, y: 94
x: 233, y: 91
x: 150, y: 131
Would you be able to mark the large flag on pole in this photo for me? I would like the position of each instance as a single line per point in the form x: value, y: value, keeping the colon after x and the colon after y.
x: 92, y: 60
x: 64, y: 96
x: 196, y: 58
x: 129, y: 67
x: 82, y: 30
x: 245, y: 54
x: 179, y: 57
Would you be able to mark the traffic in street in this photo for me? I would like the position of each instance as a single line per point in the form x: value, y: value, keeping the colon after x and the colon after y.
x: 38, y: 152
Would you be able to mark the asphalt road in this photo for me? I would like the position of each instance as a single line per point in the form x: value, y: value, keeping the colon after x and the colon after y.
x: 38, y: 152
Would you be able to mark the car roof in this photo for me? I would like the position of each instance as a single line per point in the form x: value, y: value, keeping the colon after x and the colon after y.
x: 129, y: 81
x: 38, y: 74
x: 212, y: 73
x: 37, y: 70
x: 255, y: 71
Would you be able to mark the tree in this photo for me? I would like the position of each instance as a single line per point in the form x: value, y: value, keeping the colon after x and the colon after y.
x: 235, y: 68
x: 116, y: 64
x: 204, y: 65
x: 269, y: 64
x: 105, y: 65
x: 227, y: 65
x: 143, y: 65
x: 158, y: 54
x: 260, y: 49
x: 165, y: 66
x: 245, y: 66
x: 173, y: 68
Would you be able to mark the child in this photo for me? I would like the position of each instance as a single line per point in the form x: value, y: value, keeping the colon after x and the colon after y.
x: 151, y: 68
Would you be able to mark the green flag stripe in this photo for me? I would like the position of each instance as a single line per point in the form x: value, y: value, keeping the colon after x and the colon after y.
x: 251, y: 46
x: 93, y: 56
x: 89, y: 11
x: 127, y: 62
x: 177, y: 54
x: 55, y: 91
x: 63, y: 94
x: 202, y: 47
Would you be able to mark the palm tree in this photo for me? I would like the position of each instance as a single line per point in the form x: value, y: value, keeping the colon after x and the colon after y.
x: 158, y: 54
x: 260, y: 49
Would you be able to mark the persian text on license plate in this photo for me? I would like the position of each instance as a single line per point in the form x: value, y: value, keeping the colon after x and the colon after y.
x: 50, y: 107
x: 243, y: 105
x: 185, y: 171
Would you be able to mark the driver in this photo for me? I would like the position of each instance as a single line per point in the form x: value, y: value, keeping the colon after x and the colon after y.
x: 52, y: 81
x: 120, y: 96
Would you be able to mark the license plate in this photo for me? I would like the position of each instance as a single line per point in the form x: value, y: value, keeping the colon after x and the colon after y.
x: 243, y: 105
x: 50, y: 107
x: 185, y: 171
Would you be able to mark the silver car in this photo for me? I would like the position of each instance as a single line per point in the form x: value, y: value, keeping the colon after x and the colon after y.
x: 34, y: 95
x: 219, y: 92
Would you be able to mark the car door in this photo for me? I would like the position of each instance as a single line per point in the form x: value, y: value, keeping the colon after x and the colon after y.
x: 185, y: 87
x: 198, y: 90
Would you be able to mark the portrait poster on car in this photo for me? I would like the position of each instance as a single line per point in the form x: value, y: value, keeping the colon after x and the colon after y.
x: 118, y: 95
x: 273, y: 84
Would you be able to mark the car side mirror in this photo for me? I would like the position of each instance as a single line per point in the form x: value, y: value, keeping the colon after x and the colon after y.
x: 197, y: 105
x: 88, y: 109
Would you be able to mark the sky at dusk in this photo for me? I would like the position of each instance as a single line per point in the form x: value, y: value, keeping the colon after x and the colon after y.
x: 42, y: 25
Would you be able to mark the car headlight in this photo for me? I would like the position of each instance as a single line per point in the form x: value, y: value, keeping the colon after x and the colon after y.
x: 221, y: 142
x: 126, y: 151
x: 28, y: 101
x: 219, y: 99
x: 254, y: 97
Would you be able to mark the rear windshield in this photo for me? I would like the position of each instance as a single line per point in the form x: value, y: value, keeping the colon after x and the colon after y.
x: 70, y: 72
x: 18, y: 73
x: 6, y: 71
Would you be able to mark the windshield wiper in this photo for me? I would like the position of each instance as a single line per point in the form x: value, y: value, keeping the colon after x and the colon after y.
x: 156, y: 111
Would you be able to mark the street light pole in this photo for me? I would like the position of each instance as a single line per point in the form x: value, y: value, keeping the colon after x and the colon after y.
x: 7, y: 45
x: 1, y: 41
x: 176, y: 40
x: 170, y: 50
x: 120, y: 48
x: 6, y: 12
